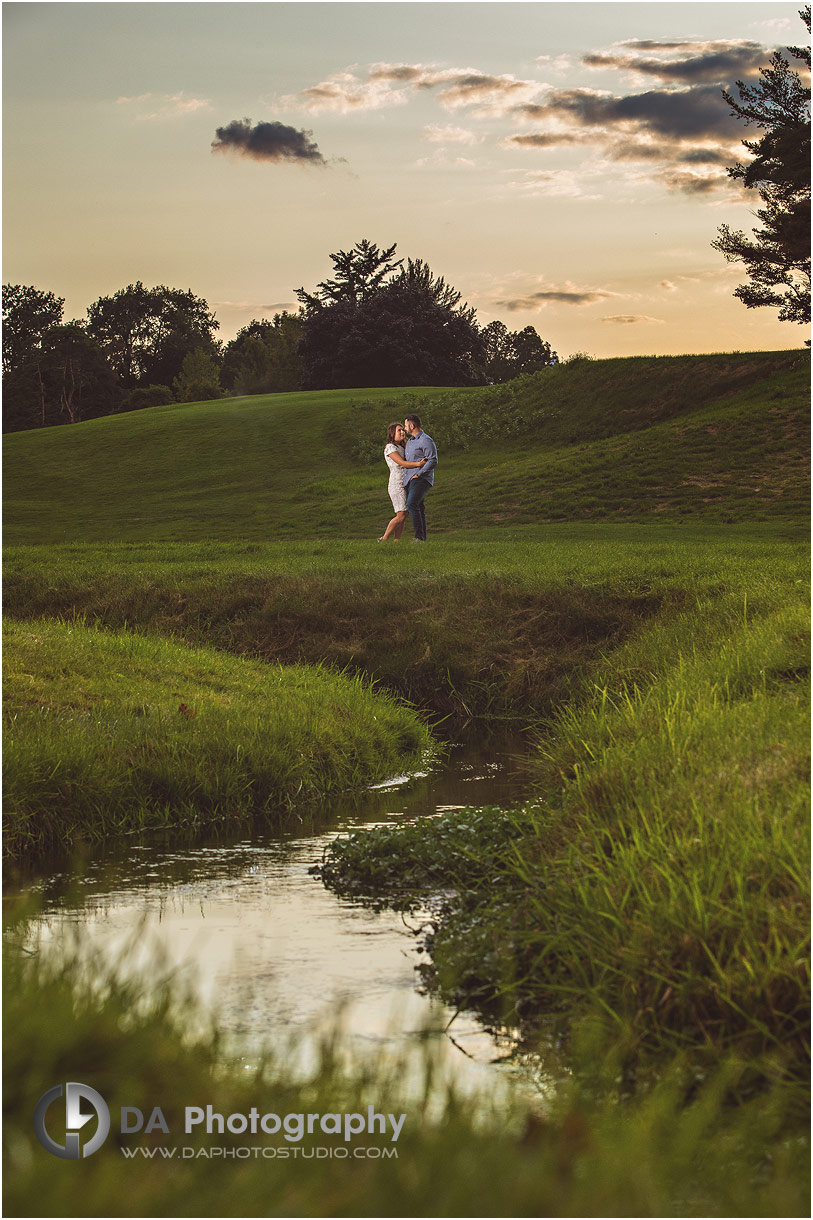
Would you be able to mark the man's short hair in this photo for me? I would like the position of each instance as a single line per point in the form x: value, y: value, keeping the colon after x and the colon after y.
x: 414, y: 419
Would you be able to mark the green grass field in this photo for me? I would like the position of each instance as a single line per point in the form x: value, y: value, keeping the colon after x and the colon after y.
x: 617, y: 563
x: 708, y: 437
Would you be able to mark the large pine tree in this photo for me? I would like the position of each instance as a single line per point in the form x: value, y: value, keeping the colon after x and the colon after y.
x: 777, y: 260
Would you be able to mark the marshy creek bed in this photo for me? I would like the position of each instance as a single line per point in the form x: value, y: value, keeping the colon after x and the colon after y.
x: 243, y: 924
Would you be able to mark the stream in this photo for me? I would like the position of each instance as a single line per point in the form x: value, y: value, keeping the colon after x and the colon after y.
x: 246, y: 930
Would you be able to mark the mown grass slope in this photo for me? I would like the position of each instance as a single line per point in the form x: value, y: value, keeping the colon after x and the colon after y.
x: 717, y: 437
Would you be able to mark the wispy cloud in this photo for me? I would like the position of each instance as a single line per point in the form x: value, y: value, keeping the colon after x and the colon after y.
x: 157, y: 106
x: 442, y: 158
x: 556, y: 63
x: 253, y: 308
x: 781, y: 24
x: 567, y: 183
x: 631, y: 319
x: 388, y: 84
x: 344, y: 93
x: 267, y: 142
x: 435, y: 134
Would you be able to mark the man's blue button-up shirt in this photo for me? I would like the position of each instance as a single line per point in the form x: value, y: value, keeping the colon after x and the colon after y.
x: 419, y: 446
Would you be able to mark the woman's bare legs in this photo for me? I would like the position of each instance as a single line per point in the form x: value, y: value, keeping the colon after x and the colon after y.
x: 395, y: 528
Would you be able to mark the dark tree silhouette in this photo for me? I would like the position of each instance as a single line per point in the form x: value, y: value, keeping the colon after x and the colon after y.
x: 147, y: 332
x: 28, y: 314
x: 65, y: 381
x: 360, y: 273
x: 778, y: 259
x: 263, y: 357
x: 378, y: 323
x: 509, y: 354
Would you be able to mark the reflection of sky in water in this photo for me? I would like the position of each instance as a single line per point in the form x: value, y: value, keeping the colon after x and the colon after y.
x: 263, y: 945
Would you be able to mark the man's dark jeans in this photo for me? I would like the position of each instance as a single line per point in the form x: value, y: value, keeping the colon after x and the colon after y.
x: 416, y: 491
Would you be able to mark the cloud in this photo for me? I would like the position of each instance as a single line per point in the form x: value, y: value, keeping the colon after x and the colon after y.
x: 547, y: 139
x: 566, y: 183
x: 641, y: 150
x: 457, y: 86
x: 345, y: 92
x: 442, y: 158
x: 630, y: 319
x: 689, y: 183
x: 668, y: 286
x: 407, y: 73
x: 157, y: 106
x: 392, y: 84
x: 678, y: 114
x: 680, y: 132
x: 780, y: 24
x: 450, y: 135
x: 679, y: 129
x: 684, y: 61
x: 567, y: 294
x: 267, y: 142
x: 254, y: 308
x: 489, y: 93
x: 555, y: 63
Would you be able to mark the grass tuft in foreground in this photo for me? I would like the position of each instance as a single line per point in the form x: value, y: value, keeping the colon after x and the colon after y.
x: 675, y: 1150
x: 109, y: 732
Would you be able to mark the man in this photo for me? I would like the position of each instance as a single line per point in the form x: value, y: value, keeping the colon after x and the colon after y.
x: 417, y: 483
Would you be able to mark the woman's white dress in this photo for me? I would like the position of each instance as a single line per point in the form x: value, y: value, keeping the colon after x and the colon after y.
x: 396, y: 484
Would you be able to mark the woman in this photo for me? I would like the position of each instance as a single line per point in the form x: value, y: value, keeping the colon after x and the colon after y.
x: 394, y: 457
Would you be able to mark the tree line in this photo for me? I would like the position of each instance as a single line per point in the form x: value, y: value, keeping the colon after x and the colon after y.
x: 378, y: 321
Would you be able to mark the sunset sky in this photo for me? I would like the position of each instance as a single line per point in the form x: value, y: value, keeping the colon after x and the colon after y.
x: 562, y: 165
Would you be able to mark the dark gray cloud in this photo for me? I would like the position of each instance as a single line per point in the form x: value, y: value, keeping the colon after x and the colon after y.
x: 535, y: 300
x: 708, y: 62
x: 691, y: 184
x: 679, y: 114
x: 267, y: 142
x: 544, y: 139
x: 632, y: 150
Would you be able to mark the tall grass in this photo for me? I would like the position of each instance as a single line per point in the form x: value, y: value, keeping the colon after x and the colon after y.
x: 659, y: 879
x: 108, y: 732
x: 673, y: 1150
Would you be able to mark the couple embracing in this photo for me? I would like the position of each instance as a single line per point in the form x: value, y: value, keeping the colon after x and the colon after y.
x: 412, y: 473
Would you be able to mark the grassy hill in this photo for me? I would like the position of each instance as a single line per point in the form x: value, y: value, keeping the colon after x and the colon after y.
x: 617, y: 562
x: 722, y: 437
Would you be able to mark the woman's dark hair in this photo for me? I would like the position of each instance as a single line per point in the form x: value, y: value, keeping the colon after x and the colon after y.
x: 391, y: 432
x: 416, y: 420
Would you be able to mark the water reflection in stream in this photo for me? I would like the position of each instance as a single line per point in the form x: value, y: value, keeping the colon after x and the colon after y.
x: 264, y: 946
